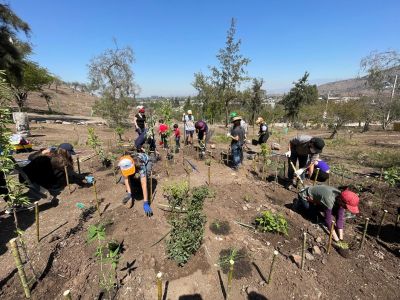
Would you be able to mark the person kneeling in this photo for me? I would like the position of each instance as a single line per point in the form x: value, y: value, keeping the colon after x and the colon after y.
x: 330, y: 200
x: 130, y: 169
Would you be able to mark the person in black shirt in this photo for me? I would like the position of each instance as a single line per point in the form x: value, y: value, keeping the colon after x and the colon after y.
x: 263, y: 133
x: 140, y: 121
x: 237, y: 135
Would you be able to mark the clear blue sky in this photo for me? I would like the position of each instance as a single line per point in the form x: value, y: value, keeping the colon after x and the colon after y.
x: 174, y: 39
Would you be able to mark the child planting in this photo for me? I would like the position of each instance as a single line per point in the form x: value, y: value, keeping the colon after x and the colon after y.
x: 330, y: 200
x: 163, y: 131
x: 131, y: 168
x: 177, y: 135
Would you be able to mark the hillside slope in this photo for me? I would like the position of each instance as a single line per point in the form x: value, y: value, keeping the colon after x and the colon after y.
x: 64, y: 101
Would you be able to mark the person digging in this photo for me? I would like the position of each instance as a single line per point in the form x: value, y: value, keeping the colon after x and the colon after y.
x: 306, y: 150
x: 263, y: 133
x: 332, y: 202
x: 132, y: 169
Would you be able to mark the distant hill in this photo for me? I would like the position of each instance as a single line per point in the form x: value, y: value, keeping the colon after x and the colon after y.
x: 352, y: 87
x: 64, y: 101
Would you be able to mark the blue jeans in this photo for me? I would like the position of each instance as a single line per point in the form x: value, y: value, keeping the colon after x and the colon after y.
x: 237, y: 154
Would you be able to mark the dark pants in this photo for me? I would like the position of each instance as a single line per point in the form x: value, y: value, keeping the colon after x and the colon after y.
x: 177, y: 141
x: 294, y: 157
x: 3, y: 186
x: 237, y: 154
x: 164, y: 140
x: 322, y: 176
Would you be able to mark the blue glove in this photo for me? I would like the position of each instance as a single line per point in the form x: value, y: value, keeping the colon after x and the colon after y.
x: 147, y: 209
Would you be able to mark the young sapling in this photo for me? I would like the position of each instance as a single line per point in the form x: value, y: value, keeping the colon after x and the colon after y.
x: 20, y: 267
x: 381, y: 223
x: 272, y: 266
x: 364, y: 233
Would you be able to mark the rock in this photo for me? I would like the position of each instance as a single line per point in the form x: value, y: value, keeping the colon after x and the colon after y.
x: 245, y: 207
x: 324, y: 261
x: 296, y: 259
x: 49, y: 121
x: 379, y: 254
x: 66, y: 123
x: 257, y: 209
x: 309, y: 256
x: 318, y: 239
x: 268, y: 243
x: 33, y: 121
x: 316, y: 250
x: 262, y: 283
x: 58, y: 121
x: 152, y: 262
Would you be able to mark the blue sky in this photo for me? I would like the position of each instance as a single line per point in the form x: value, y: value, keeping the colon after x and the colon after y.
x: 174, y: 39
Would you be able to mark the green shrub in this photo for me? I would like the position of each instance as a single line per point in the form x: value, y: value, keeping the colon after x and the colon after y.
x: 392, y: 176
x: 270, y: 222
x: 176, y: 192
x: 187, y: 231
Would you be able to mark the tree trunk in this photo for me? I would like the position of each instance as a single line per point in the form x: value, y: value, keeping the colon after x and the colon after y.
x: 366, y: 126
x: 226, y: 114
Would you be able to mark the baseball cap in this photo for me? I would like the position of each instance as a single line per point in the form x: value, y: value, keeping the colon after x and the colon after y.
x: 141, y: 110
x: 233, y: 114
x: 127, y: 165
x: 351, y: 200
x: 67, y: 147
x: 318, y: 144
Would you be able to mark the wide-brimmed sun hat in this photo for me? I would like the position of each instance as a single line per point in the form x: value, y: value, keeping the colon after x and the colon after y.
x: 259, y: 120
x: 189, y: 112
x: 238, y: 118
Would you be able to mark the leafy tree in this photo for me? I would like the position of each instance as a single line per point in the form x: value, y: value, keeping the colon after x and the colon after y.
x: 207, y: 97
x: 227, y: 77
x: 343, y: 112
x: 12, y: 49
x: 33, y: 78
x: 47, y: 97
x: 302, y: 93
x: 111, y: 75
x: 255, y: 100
x: 381, y: 69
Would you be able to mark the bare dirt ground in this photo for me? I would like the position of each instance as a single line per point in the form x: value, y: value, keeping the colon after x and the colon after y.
x: 64, y: 260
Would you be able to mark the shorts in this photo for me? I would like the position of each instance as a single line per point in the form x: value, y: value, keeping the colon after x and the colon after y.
x: 189, y: 132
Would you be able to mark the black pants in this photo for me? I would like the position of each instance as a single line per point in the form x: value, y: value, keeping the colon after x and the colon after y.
x: 322, y: 176
x: 294, y: 157
x: 3, y: 186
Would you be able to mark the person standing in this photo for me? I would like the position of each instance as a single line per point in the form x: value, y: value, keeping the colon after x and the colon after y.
x: 304, y: 149
x: 237, y: 135
x: 188, y: 121
x: 163, y: 131
x: 140, y: 121
x: 177, y: 134
x: 263, y: 133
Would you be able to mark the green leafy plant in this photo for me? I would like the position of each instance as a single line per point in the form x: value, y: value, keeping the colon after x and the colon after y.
x: 392, y: 176
x: 187, y: 230
x: 271, y: 222
x: 176, y: 193
x: 94, y: 142
x: 107, y: 255
x: 342, y: 245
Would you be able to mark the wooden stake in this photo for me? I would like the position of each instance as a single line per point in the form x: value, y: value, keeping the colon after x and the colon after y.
x: 272, y: 266
x: 364, y: 233
x: 37, y: 220
x: 67, y: 178
x: 209, y: 175
x: 230, y: 275
x: 151, y: 187
x: 96, y: 198
x: 330, y: 237
x: 380, y: 224
x: 316, y: 176
x: 67, y: 295
x: 303, y: 250
x: 294, y: 170
x: 20, y: 267
x: 78, y: 164
x: 159, y: 286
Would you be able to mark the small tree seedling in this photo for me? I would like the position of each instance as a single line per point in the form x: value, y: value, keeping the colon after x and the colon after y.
x: 364, y: 233
x: 37, y: 220
x: 159, y: 286
x: 67, y: 295
x: 20, y: 267
x: 303, y: 250
x: 330, y: 237
x: 270, y: 222
x: 272, y: 266
x: 381, y: 223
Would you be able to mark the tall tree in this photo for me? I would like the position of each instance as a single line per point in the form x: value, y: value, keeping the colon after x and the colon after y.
x: 302, y: 93
x: 12, y: 49
x: 111, y: 76
x: 382, y: 69
x: 257, y: 95
x: 231, y: 72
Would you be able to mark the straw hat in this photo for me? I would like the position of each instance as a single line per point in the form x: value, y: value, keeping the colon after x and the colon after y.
x: 238, y: 118
x: 259, y: 120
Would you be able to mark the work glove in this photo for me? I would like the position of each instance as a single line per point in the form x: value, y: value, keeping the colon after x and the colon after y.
x: 147, y: 209
x: 127, y: 197
x: 288, y: 154
x: 300, y: 171
x: 228, y: 134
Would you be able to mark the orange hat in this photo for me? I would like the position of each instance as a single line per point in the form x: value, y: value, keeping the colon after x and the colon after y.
x: 351, y: 200
x: 127, y: 165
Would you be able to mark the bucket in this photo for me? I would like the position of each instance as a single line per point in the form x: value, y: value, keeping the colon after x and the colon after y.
x: 21, y: 123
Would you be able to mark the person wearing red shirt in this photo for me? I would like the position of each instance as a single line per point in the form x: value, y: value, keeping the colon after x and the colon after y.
x: 177, y: 134
x: 162, y: 129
